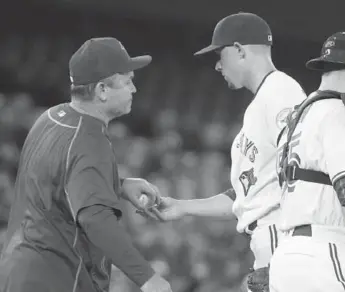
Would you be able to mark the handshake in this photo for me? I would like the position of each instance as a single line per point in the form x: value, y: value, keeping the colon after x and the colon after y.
x: 147, y: 199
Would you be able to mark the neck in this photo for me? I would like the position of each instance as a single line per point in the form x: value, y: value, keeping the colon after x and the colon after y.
x: 257, y: 73
x: 90, y: 110
x: 333, y: 81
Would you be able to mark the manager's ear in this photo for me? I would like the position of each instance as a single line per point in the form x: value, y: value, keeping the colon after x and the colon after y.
x: 240, y: 50
x: 100, y: 90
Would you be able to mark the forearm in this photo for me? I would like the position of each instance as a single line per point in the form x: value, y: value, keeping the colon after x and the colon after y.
x: 217, y: 206
x: 104, y: 231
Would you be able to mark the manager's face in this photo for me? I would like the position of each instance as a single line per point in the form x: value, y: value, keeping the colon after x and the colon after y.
x: 119, y: 94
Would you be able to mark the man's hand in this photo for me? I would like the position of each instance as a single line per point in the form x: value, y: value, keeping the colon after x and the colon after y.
x: 156, y: 284
x: 169, y: 209
x: 133, y: 188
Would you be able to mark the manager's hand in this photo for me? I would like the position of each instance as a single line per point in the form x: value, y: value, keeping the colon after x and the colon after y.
x: 156, y: 284
x: 133, y: 188
x: 169, y: 209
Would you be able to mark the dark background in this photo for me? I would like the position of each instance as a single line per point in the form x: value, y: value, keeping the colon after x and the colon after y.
x: 183, y: 119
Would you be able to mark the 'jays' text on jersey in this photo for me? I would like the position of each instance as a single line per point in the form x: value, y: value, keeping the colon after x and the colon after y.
x: 253, y: 152
x: 67, y: 164
x: 318, y: 143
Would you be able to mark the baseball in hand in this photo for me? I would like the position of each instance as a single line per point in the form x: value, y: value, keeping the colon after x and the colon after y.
x: 144, y: 200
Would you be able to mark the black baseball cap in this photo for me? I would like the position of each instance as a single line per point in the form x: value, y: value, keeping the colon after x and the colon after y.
x: 244, y: 28
x: 332, y: 54
x: 99, y: 58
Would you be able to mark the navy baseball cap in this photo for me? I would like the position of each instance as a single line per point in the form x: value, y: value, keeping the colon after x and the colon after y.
x: 332, y: 54
x: 99, y: 58
x: 244, y: 28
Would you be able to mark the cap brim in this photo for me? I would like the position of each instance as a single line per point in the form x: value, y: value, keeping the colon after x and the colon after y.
x: 324, y: 65
x: 139, y: 62
x: 317, y: 64
x: 208, y: 49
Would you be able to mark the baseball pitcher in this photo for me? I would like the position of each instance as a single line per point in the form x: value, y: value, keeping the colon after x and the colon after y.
x: 243, y: 42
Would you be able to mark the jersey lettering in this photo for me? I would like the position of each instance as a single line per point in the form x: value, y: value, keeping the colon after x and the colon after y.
x: 247, y: 148
x: 253, y: 153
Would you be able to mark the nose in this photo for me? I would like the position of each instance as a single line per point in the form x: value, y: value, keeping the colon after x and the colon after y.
x: 218, y: 67
x: 133, y: 89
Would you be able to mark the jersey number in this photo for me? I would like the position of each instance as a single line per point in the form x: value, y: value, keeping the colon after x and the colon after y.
x: 293, y: 158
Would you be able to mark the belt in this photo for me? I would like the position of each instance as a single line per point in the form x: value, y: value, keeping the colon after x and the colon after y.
x: 302, y: 230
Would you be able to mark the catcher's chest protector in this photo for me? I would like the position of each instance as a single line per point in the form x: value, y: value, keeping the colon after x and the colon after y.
x: 293, y: 172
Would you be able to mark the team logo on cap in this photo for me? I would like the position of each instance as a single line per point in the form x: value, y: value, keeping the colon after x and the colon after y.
x: 269, y: 37
x: 329, y: 44
x: 326, y: 53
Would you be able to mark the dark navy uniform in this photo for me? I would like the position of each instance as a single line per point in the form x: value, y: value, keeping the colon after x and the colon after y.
x: 67, y: 164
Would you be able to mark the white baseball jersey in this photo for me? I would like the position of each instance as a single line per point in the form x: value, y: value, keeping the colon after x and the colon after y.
x: 318, y: 143
x: 254, y: 150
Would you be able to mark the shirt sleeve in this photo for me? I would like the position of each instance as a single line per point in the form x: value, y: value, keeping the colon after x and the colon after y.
x: 280, y: 100
x: 104, y: 231
x: 332, y: 133
x: 230, y: 193
x: 92, y: 177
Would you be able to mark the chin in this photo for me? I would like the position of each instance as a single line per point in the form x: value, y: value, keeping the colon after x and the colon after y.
x: 127, y: 111
x: 232, y: 86
x: 120, y: 113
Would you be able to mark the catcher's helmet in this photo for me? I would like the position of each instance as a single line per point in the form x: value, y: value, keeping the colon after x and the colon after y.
x: 332, y: 55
